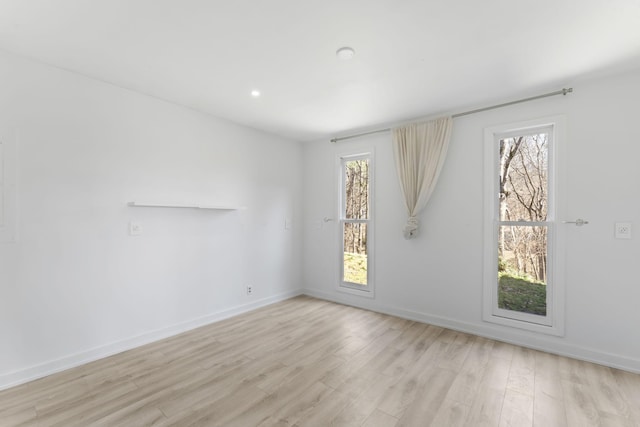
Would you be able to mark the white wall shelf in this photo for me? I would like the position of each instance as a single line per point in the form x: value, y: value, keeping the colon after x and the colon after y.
x: 146, y: 204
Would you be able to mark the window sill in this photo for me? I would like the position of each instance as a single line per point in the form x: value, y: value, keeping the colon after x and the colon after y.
x: 521, y: 324
x: 367, y: 292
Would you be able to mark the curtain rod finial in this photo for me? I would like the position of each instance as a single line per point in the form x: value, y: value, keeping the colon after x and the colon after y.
x: 333, y: 140
x: 567, y: 90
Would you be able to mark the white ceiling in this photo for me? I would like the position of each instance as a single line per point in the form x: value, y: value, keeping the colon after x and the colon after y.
x: 413, y: 57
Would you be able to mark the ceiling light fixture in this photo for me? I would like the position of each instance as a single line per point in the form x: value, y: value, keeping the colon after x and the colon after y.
x: 255, y: 93
x: 345, y: 53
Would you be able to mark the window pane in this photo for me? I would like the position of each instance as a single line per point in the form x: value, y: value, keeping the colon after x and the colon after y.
x: 524, y: 178
x: 522, y: 269
x: 355, y: 253
x: 356, y: 182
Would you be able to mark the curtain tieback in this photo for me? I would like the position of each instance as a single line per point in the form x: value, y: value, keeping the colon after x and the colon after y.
x: 411, y: 229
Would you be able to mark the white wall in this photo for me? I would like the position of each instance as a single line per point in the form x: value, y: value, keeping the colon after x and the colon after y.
x: 437, y: 278
x: 75, y: 285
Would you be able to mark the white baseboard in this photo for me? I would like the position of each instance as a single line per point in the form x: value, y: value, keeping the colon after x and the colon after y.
x: 542, y: 343
x: 22, y: 376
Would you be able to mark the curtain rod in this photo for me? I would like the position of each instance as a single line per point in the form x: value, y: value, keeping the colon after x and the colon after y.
x: 563, y: 91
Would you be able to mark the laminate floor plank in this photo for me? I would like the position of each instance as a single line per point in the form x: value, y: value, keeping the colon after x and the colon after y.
x: 325, y: 410
x: 95, y: 405
x: 22, y: 417
x: 466, y: 385
x: 548, y: 411
x: 285, y: 400
x: 549, y: 403
x: 306, y: 362
x: 606, y: 394
x: 409, y: 349
x: 429, y: 398
x: 486, y: 409
x: 361, y: 359
x: 380, y: 419
x: 580, y: 406
x: 451, y: 413
x: 522, y: 372
x: 517, y: 409
x: 361, y: 408
x: 219, y: 412
x: 627, y: 384
x: 405, y: 390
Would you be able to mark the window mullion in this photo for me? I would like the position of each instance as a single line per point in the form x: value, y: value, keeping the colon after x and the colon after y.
x: 526, y: 223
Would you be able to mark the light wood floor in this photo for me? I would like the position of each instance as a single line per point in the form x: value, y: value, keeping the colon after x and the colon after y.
x: 305, y: 362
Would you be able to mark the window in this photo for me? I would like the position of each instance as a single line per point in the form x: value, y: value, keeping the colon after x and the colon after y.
x: 356, y: 223
x: 522, y: 283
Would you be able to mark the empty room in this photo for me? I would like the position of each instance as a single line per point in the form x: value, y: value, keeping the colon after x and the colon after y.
x: 329, y: 213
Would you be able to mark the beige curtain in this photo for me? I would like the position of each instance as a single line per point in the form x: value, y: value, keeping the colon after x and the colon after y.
x: 419, y: 150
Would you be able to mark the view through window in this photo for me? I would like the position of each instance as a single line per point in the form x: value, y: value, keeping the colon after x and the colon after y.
x: 523, y: 230
x: 355, y: 220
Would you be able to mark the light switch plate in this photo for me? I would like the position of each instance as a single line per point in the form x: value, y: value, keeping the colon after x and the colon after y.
x: 135, y: 229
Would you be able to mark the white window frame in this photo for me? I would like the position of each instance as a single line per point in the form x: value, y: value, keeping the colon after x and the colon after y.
x: 553, y: 322
x: 7, y: 187
x: 367, y: 290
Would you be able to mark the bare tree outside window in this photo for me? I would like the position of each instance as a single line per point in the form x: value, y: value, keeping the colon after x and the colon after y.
x: 356, y: 215
x: 522, y: 247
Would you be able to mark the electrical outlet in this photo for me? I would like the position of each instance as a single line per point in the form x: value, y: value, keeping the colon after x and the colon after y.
x: 249, y: 289
x: 623, y: 230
